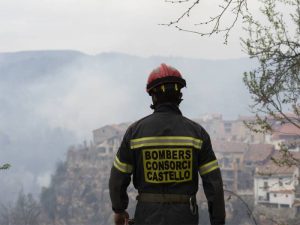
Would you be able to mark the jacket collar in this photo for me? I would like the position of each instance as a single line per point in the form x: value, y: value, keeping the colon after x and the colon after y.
x: 167, y: 107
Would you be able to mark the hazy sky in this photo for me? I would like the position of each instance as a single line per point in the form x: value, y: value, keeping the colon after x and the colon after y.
x: 94, y: 26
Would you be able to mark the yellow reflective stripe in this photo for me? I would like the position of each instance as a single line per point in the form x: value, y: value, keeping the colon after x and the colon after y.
x: 166, y: 138
x: 211, y: 169
x: 166, y: 141
x: 208, y: 167
x: 209, y: 164
x: 165, y: 144
x: 123, y: 167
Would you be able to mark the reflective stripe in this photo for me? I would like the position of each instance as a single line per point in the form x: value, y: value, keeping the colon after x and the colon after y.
x: 208, y: 167
x: 166, y: 141
x: 123, y: 167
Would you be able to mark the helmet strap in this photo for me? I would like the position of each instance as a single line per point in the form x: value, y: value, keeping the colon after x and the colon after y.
x: 154, y: 102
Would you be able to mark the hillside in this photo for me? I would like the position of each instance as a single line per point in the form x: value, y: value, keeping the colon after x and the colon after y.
x: 51, y: 100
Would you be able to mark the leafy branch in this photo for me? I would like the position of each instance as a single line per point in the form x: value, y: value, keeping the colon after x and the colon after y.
x: 275, y: 84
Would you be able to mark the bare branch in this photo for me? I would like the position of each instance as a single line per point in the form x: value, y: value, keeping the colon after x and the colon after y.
x: 236, y: 7
x: 186, y: 13
x: 179, y: 1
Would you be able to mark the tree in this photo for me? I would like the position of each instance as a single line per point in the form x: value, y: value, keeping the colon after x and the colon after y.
x: 275, y: 84
x: 215, y: 24
x: 26, y: 211
x: 49, y: 203
x: 273, y: 41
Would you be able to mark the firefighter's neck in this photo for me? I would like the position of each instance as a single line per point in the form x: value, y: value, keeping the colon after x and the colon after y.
x: 156, y: 105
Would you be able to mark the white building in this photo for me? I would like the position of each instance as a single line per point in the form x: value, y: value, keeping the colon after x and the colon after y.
x: 274, y: 186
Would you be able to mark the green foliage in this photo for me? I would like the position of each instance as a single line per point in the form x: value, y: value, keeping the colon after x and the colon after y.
x: 275, y: 84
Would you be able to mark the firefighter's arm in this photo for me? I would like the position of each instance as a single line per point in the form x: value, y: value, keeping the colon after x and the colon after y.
x: 118, y: 183
x: 212, y: 183
x: 120, y: 177
x: 213, y: 189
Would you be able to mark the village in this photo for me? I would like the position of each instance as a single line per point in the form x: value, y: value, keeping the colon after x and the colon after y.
x: 262, y: 170
x: 248, y: 159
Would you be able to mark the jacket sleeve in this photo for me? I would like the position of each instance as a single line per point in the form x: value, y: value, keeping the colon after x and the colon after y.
x: 212, y: 183
x: 120, y: 176
x: 213, y: 189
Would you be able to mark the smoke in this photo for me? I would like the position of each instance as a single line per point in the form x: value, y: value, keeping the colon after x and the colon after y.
x: 48, y: 106
x: 51, y: 100
x: 85, y: 98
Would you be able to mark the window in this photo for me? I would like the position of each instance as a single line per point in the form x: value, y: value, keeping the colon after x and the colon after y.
x: 227, y: 126
x: 265, y: 184
x: 101, y: 149
x: 226, y: 162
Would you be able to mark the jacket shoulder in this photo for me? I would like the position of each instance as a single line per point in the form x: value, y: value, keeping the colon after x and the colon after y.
x: 137, y: 123
x: 196, y: 126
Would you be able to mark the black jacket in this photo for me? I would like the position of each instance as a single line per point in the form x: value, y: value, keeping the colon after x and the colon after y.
x: 164, y: 152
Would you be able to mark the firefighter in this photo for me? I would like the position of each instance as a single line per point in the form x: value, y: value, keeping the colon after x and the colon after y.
x: 164, y: 153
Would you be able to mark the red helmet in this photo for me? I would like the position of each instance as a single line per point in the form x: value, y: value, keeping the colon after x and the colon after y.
x: 164, y: 74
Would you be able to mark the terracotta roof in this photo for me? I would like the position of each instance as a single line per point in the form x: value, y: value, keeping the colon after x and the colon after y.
x: 258, y: 152
x: 289, y: 156
x: 286, y: 129
x: 229, y: 147
x: 296, y: 155
x: 272, y: 169
x: 296, y: 203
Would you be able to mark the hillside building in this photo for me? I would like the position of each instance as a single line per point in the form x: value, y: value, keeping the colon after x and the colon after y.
x: 274, y: 185
x: 230, y: 130
x: 287, y: 135
x: 238, y: 161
